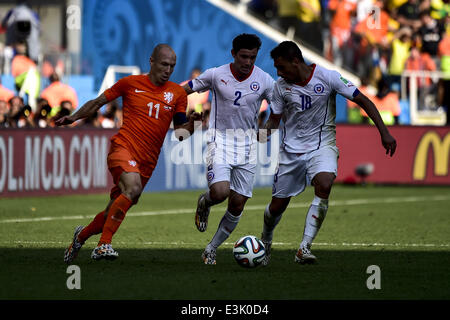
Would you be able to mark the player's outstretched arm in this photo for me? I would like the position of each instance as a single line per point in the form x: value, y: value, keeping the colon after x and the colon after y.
x: 188, y: 89
x: 367, y: 105
x: 272, y: 123
x: 184, y: 127
x: 84, y: 111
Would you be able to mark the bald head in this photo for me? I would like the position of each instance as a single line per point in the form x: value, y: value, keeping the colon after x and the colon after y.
x: 161, y: 50
x: 162, y: 64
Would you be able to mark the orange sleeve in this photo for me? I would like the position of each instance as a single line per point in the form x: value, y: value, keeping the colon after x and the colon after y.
x: 116, y: 90
x: 181, y: 104
x: 333, y: 4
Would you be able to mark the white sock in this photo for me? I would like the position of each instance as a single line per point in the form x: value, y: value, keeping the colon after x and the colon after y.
x: 314, y: 219
x: 226, y: 227
x: 270, y: 222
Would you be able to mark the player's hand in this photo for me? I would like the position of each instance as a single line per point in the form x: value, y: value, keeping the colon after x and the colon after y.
x: 389, y: 144
x: 64, y: 121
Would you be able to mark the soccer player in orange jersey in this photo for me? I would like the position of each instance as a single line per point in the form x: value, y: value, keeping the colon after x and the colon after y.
x: 150, y: 103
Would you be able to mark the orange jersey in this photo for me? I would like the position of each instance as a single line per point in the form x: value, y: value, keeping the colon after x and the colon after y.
x: 147, y: 113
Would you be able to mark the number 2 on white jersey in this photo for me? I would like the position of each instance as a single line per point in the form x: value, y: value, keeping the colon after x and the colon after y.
x: 150, y: 109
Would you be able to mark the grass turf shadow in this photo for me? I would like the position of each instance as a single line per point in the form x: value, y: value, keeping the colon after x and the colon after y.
x: 165, y: 274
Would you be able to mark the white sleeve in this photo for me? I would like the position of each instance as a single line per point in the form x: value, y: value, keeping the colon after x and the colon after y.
x: 277, y: 102
x: 204, y: 81
x: 343, y: 86
x: 268, y: 94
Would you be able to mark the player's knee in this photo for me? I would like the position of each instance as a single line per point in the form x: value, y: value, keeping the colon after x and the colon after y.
x: 324, y: 188
x: 133, y: 192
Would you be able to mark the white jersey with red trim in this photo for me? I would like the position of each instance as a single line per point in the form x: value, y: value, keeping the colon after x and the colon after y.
x: 235, y: 104
x: 309, y: 109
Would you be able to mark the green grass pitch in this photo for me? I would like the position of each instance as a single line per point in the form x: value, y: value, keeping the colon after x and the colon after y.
x: 403, y: 230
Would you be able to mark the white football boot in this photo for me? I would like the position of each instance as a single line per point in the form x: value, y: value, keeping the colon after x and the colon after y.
x: 104, y: 251
x: 267, y: 248
x: 304, y: 255
x: 209, y: 256
x: 72, y: 251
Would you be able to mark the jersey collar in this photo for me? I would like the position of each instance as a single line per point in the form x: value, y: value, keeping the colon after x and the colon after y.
x: 236, y: 77
x: 304, y: 83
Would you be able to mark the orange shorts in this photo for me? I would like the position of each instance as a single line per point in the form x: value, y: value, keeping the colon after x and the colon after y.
x: 120, y: 160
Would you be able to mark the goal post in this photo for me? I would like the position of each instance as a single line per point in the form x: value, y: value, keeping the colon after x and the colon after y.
x: 110, y: 75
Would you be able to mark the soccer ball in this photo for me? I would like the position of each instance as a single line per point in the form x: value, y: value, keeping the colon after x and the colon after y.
x: 249, y: 251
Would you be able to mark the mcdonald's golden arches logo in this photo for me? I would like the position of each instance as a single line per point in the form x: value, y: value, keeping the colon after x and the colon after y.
x: 440, y: 148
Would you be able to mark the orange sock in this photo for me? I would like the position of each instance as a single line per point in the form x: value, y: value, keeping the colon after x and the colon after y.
x: 95, y: 227
x: 116, y: 214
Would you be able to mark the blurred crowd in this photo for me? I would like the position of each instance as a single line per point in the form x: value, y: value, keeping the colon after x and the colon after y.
x: 39, y: 96
x: 377, y: 40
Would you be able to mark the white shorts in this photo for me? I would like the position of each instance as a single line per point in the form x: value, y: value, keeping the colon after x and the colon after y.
x: 295, y: 172
x: 240, y: 175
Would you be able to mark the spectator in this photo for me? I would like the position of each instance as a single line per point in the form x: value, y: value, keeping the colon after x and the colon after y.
x: 387, y: 102
x: 4, y: 109
x: 400, y: 53
x: 20, y: 115
x: 57, y: 92
x: 431, y: 33
x: 109, y: 118
x: 15, y: 106
x: 439, y: 9
x: 5, y: 93
x: 444, y: 83
x: 287, y: 15
x: 370, y: 39
x: 197, y: 102
x: 265, y: 9
x: 41, y: 117
x: 26, y: 76
x: 23, y: 26
x: 310, y: 23
x: 408, y: 15
x: 422, y: 61
x: 341, y: 12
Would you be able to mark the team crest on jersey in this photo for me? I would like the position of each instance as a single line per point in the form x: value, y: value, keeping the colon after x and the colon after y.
x: 168, y: 96
x: 210, y: 176
x: 254, y: 86
x: 319, y: 88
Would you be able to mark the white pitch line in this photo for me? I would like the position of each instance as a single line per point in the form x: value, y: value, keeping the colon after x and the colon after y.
x: 247, y: 208
x: 287, y: 244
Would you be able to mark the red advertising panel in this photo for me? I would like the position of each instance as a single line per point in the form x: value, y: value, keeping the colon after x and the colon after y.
x: 53, y: 161
x: 37, y: 162
x: 422, y: 155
